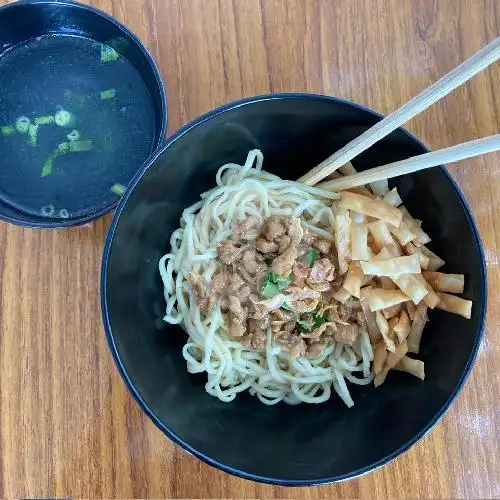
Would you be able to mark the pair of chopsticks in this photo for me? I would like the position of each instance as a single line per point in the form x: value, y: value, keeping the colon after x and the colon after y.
x: 422, y: 101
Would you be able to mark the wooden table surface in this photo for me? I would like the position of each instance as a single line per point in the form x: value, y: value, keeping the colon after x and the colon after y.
x: 68, y: 426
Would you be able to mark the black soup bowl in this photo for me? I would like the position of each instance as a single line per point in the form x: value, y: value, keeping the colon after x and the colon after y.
x: 51, y: 56
x: 290, y: 445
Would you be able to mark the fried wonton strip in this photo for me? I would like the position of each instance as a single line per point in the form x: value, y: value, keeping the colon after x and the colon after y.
x: 393, y: 358
x: 354, y: 279
x: 411, y: 286
x: 411, y: 249
x: 342, y: 295
x: 392, y: 267
x: 374, y: 208
x: 403, y: 326
x: 379, y: 358
x: 411, y: 308
x: 456, y: 305
x: 431, y: 299
x: 383, y: 326
x: 402, y: 233
x: 386, y: 283
x: 362, y: 191
x: 415, y: 225
x: 414, y: 367
x: 419, y: 321
x: 359, y: 237
x: 342, y: 227
x: 435, y: 261
x: 381, y: 235
x: 371, y: 322
x: 379, y: 299
x: 348, y: 169
x: 393, y: 198
x: 441, y: 282
x: 391, y: 312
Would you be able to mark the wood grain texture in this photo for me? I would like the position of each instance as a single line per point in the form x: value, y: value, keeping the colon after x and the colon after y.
x: 68, y: 426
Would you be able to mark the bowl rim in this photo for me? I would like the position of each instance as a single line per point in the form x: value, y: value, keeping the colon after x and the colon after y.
x: 164, y: 112
x: 202, y: 456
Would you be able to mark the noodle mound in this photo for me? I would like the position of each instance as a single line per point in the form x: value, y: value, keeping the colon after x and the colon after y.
x: 270, y: 373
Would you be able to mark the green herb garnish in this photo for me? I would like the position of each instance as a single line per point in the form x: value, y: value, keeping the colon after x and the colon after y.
x: 315, y: 322
x: 275, y: 283
x: 47, y: 167
x: 108, y: 94
x: 7, y: 130
x: 32, y: 134
x: 64, y: 118
x: 44, y: 120
x: 74, y: 135
x: 312, y: 256
x: 80, y: 146
x: 118, y: 189
x: 108, y: 54
x: 23, y: 124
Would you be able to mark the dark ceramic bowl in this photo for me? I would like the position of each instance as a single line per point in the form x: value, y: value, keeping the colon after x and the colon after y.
x: 305, y: 444
x: 27, y: 21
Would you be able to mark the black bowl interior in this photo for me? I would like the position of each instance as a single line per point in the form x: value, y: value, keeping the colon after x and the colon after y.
x: 307, y: 443
x: 25, y: 22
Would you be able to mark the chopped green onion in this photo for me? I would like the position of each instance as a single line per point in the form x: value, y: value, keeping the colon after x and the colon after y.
x: 48, y: 210
x: 23, y: 124
x: 44, y: 120
x: 275, y: 283
x: 63, y: 213
x: 80, y: 146
x: 118, y: 189
x: 317, y: 321
x: 312, y: 256
x: 7, y: 130
x: 108, y: 54
x: 32, y: 133
x: 62, y: 149
x: 64, y: 118
x: 47, y: 167
x: 108, y: 94
x: 74, y: 135
x: 304, y: 326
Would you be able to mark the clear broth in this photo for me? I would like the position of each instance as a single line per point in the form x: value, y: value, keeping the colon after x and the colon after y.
x: 51, y: 73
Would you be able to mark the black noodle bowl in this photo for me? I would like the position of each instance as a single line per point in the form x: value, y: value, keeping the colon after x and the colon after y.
x: 289, y: 445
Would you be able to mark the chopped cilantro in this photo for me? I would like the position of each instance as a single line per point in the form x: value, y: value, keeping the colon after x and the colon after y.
x: 304, y: 326
x: 317, y: 321
x: 275, y: 283
x: 312, y: 256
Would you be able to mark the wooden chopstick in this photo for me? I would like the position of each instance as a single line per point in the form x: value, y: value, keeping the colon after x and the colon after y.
x: 422, y: 101
x: 420, y: 162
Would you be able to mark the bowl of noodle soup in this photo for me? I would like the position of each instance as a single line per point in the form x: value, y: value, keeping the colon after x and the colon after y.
x: 264, y: 378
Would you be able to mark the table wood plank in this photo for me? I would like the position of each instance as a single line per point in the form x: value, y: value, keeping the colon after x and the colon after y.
x: 68, y: 426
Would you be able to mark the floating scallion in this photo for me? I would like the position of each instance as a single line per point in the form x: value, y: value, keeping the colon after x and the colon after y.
x: 118, y: 189
x: 47, y: 167
x: 62, y: 148
x: 108, y: 94
x: 32, y: 134
x: 7, y: 130
x: 48, y: 210
x: 23, y: 124
x: 74, y: 135
x: 108, y: 54
x: 80, y: 146
x: 44, y: 120
x: 64, y: 118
